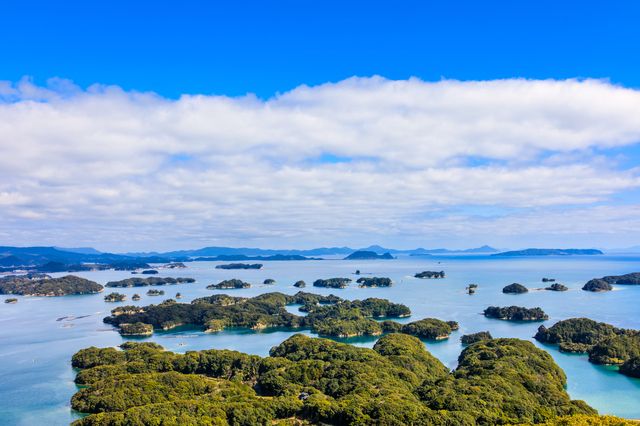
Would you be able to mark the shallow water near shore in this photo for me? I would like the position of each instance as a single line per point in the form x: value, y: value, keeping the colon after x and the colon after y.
x: 36, y: 378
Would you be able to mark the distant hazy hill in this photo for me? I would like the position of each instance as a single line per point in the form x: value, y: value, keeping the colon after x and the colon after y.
x: 549, y: 252
x: 367, y: 255
x: 41, y: 255
x: 81, y: 250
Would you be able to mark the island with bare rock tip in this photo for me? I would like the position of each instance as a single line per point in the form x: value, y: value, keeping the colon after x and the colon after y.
x: 430, y: 274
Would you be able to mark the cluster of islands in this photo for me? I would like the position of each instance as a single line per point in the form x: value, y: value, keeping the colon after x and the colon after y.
x: 314, y: 381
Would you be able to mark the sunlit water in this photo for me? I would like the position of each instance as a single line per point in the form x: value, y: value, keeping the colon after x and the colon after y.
x: 36, y: 378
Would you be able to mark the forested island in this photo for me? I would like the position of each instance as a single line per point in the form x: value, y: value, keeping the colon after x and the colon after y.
x: 333, y: 282
x: 627, y: 279
x: 11, y: 300
x: 44, y: 285
x: 300, y: 284
x: 468, y: 339
x: 557, y: 287
x: 136, y: 329
x: 313, y: 381
x: 149, y: 272
x: 269, y: 281
x: 549, y: 252
x: 240, y: 266
x: 515, y: 288
x: 604, y: 343
x: 145, y: 282
x: 597, y: 285
x: 154, y: 292
x: 604, y: 283
x: 367, y: 255
x: 115, y: 297
x: 326, y: 315
x: 429, y: 274
x: 515, y: 313
x: 374, y: 282
x: 229, y: 284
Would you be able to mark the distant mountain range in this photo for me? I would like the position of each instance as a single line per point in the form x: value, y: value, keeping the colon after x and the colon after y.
x: 12, y: 257
x: 322, y: 251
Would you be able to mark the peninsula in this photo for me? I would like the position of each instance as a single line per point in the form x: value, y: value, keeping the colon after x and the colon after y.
x: 549, y: 252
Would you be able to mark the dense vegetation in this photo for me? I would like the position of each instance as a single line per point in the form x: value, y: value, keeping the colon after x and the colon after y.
x: 367, y: 255
x: 374, y: 282
x: 430, y: 274
x: 468, y: 339
x: 229, y: 284
x: 300, y: 284
x: 627, y: 279
x: 515, y: 313
x: 332, y: 282
x: 11, y: 300
x: 136, y: 297
x: 44, y: 285
x: 144, y: 282
x: 136, y: 329
x: 115, y: 297
x: 597, y: 285
x: 269, y: 281
x: 604, y: 343
x: 557, y: 287
x: 154, y: 292
x: 240, y: 266
x: 316, y: 381
x: 631, y: 367
x: 515, y: 288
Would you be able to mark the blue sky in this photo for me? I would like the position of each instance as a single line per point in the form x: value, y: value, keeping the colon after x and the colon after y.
x: 231, y: 48
x: 303, y: 124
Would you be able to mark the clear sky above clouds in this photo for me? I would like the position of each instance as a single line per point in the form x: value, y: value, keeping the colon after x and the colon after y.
x: 301, y: 124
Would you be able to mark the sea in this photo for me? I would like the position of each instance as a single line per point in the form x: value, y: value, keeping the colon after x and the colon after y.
x: 38, y: 335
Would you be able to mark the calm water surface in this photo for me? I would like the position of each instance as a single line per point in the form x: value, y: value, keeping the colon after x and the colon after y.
x: 36, y: 378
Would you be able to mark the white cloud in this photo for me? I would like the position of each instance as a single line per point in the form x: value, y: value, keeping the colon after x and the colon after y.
x: 94, y: 164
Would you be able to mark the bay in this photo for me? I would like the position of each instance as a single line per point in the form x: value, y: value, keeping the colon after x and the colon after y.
x: 36, y: 378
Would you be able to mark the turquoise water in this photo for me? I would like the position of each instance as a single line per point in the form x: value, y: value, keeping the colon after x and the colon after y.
x: 36, y: 378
